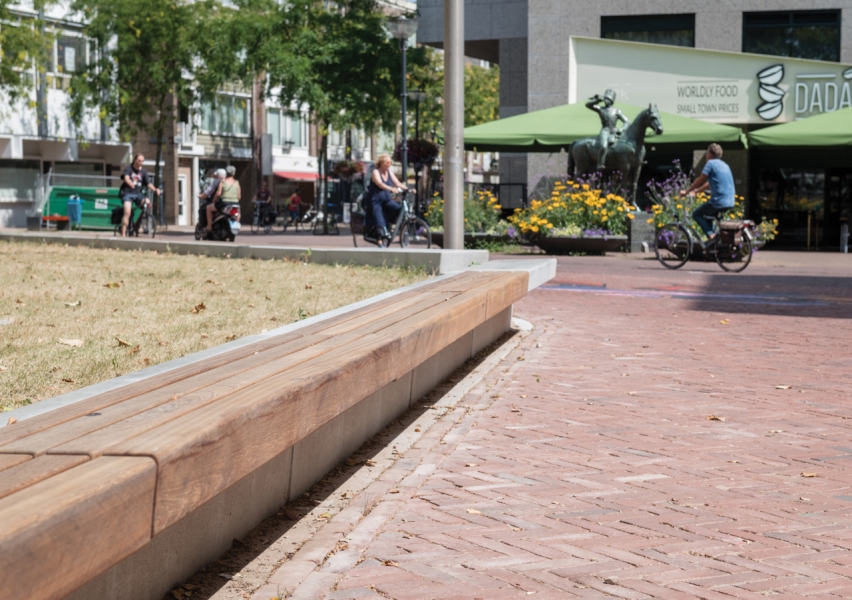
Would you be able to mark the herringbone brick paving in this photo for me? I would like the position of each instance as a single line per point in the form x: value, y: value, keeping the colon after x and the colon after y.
x: 635, y: 447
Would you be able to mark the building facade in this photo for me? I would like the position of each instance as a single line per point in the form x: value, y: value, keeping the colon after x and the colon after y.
x: 547, y: 58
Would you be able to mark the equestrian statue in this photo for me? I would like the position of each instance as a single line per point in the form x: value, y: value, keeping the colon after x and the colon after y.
x: 622, y: 149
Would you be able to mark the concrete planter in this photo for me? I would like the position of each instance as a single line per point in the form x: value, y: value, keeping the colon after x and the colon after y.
x: 590, y: 245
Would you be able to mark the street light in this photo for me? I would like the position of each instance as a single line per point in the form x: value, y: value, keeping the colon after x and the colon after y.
x: 417, y: 96
x: 402, y: 29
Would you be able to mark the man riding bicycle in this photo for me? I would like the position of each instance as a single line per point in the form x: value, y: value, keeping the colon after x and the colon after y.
x: 716, y: 176
x: 133, y: 179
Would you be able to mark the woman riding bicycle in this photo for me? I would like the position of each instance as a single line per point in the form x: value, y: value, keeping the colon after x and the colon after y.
x: 378, y: 202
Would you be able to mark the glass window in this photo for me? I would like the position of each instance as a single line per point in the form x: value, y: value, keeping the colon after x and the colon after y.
x: 239, y: 116
x: 273, y: 125
x: 813, y: 34
x: 70, y: 54
x: 296, y: 131
x: 208, y: 117
x: 670, y: 30
x: 18, y: 179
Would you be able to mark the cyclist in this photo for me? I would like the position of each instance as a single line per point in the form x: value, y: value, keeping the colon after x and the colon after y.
x: 378, y: 203
x: 716, y: 176
x: 133, y: 179
x: 263, y: 204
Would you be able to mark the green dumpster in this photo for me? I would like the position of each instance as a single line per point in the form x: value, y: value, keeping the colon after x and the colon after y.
x: 97, y: 204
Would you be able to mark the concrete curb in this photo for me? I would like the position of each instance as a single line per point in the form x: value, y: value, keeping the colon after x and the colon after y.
x: 433, y: 260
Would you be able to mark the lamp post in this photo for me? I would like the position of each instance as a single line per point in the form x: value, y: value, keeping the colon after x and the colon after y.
x: 417, y: 96
x: 454, y: 124
x: 402, y: 29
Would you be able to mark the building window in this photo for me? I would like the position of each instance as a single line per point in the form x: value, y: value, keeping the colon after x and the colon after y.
x: 670, y: 30
x: 230, y: 116
x: 286, y: 128
x: 813, y: 34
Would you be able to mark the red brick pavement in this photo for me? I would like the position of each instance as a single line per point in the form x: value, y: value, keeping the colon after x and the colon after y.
x: 587, y: 464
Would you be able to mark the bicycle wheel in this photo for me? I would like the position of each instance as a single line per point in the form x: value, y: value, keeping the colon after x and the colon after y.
x: 672, y: 246
x: 255, y: 224
x: 735, y: 257
x: 415, y: 233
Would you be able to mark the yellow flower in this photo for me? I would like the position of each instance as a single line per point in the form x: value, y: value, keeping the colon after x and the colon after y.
x: 604, y: 218
x: 680, y: 205
x: 650, y: 220
x: 631, y: 217
x: 550, y: 225
x: 585, y: 187
x: 535, y: 229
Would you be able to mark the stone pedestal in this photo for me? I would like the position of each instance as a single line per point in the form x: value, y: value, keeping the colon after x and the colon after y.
x: 640, y: 230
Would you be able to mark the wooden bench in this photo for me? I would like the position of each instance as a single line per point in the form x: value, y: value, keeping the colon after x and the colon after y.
x: 170, y: 469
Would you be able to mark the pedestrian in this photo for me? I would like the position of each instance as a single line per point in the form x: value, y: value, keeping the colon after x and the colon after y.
x: 294, y: 207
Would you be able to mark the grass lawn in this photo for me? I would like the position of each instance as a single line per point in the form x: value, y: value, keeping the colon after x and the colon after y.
x: 73, y: 316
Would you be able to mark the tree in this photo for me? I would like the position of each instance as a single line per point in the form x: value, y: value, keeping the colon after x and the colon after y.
x: 146, y: 49
x: 349, y: 77
x: 481, y: 94
x: 22, y: 41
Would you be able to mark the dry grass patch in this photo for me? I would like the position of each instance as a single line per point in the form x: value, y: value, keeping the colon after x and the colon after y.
x: 74, y: 316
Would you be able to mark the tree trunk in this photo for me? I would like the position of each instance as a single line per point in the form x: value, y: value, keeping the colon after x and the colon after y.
x: 323, y: 159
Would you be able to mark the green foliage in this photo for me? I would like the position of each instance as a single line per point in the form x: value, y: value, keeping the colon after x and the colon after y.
x: 481, y: 94
x: 481, y: 214
x: 22, y: 42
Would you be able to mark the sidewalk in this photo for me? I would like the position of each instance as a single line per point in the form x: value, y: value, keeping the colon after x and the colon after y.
x: 658, y: 435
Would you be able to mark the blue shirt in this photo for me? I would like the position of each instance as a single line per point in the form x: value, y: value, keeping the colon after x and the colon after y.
x: 721, y: 183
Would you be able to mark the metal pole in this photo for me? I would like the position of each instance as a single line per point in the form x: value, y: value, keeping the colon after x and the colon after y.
x: 454, y: 124
x: 404, y: 179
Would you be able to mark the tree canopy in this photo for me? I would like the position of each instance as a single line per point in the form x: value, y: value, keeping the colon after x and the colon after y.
x: 21, y: 42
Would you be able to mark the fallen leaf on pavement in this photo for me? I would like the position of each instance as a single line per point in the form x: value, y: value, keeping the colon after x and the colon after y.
x: 470, y: 464
x: 473, y: 511
x: 516, y: 410
x: 226, y: 576
x: 121, y: 342
x: 11, y: 421
x: 783, y: 387
x: 809, y: 474
x: 803, y: 499
x: 370, y: 463
x: 133, y: 350
x: 394, y: 491
x: 776, y: 431
x: 351, y: 462
x: 67, y: 380
x: 112, y: 284
x: 308, y: 286
x: 725, y: 322
x: 198, y: 308
x: 292, y: 515
x: 73, y: 343
x: 390, y: 563
x: 715, y: 418
x: 523, y: 395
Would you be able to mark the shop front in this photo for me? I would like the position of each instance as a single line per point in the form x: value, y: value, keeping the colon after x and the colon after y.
x: 804, y: 180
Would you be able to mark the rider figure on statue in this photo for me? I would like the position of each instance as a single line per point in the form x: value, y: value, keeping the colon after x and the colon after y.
x: 610, y: 116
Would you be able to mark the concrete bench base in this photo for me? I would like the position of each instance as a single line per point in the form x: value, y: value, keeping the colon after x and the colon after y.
x: 182, y: 549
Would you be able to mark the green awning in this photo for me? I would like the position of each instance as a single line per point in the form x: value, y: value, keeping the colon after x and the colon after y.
x: 552, y: 129
x: 827, y: 129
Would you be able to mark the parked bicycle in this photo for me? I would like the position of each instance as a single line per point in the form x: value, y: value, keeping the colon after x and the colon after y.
x: 409, y: 229
x: 675, y: 243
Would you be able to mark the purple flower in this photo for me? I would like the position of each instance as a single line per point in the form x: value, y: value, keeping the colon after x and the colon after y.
x: 511, y: 232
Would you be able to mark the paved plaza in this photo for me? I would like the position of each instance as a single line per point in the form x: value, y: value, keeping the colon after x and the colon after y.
x: 657, y: 435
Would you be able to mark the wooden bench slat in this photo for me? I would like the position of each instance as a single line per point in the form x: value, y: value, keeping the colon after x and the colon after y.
x: 99, y: 403
x: 61, y: 532
x: 204, y: 452
x: 35, y: 470
x: 7, y: 461
x: 120, y: 404
x: 92, y: 435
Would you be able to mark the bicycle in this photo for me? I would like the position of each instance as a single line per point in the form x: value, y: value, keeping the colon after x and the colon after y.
x: 410, y: 229
x: 675, y: 243
x: 264, y: 218
x: 146, y: 221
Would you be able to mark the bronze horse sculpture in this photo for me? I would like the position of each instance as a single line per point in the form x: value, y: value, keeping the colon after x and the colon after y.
x: 625, y: 156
